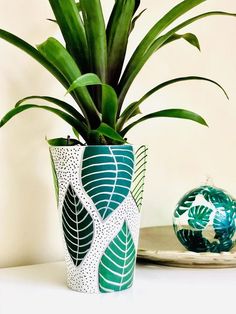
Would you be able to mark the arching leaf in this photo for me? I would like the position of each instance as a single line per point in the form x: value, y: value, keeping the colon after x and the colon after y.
x: 168, y: 113
x: 30, y: 50
x: 109, y: 106
x: 127, y: 79
x: 81, y: 128
x: 55, y: 53
x: 140, y: 56
x: 85, y: 80
x: 67, y: 107
x: 134, y: 107
x: 189, y: 37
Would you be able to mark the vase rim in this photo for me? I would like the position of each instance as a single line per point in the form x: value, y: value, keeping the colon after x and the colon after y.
x: 81, y: 146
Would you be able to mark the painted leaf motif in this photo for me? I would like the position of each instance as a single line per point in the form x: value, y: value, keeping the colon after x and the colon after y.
x: 139, y: 176
x: 199, y: 216
x: 224, y: 224
x: 116, y: 268
x: 186, y: 202
x: 224, y: 245
x: 107, y: 173
x: 217, y: 197
x: 193, y: 240
x: 77, y: 226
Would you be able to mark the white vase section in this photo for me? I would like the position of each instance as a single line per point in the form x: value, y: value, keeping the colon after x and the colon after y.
x: 68, y: 163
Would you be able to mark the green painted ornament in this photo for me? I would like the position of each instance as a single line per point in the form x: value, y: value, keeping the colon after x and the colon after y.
x: 205, y: 220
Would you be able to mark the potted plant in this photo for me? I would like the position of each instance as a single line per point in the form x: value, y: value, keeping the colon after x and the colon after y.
x: 98, y: 179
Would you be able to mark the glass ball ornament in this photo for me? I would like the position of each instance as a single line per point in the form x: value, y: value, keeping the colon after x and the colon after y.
x: 204, y: 220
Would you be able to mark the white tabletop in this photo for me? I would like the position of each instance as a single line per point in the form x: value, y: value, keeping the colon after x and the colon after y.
x: 41, y: 289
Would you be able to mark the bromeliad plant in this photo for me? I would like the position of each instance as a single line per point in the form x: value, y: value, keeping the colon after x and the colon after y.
x: 91, y: 66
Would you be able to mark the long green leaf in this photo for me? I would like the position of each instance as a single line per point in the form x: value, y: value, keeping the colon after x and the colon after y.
x: 139, y: 57
x: 67, y: 107
x: 96, y: 36
x: 79, y: 126
x: 133, y: 108
x: 168, y: 113
x: 161, y: 40
x: 109, y: 105
x: 118, y: 31
x: 134, y: 20
x: 189, y: 37
x: 30, y: 50
x: 109, y: 132
x: 109, y: 97
x: 72, y: 28
x: 85, y: 80
x: 61, y: 59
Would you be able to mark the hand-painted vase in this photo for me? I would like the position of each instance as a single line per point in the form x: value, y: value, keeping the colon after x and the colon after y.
x: 100, y: 192
x: 205, y: 220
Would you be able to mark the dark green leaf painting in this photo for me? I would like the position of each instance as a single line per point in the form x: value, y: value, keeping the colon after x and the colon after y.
x: 186, y: 202
x: 224, y: 226
x: 77, y: 226
x: 107, y: 173
x: 139, y: 176
x: 116, y: 268
x: 217, y: 197
x: 204, y: 220
x: 199, y: 216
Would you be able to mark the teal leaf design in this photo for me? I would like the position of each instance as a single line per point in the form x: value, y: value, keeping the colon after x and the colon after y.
x: 199, y: 216
x: 116, y: 268
x: 193, y: 240
x: 139, y: 176
x: 217, y: 197
x: 77, y: 226
x: 186, y: 202
x: 223, y: 246
x: 106, y: 176
x: 224, y: 224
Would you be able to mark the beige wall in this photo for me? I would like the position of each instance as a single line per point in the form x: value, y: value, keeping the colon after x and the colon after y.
x: 182, y: 154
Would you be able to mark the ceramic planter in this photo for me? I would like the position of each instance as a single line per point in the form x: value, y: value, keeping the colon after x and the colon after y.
x: 99, y: 190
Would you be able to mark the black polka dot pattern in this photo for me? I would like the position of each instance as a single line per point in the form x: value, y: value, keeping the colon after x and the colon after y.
x: 84, y: 278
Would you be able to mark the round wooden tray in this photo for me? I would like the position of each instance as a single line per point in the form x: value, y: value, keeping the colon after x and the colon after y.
x: 160, y: 245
